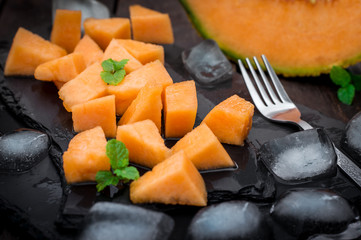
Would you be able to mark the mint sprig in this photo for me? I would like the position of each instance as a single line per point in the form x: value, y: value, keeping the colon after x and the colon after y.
x: 113, y: 71
x: 349, y: 83
x: 119, y: 160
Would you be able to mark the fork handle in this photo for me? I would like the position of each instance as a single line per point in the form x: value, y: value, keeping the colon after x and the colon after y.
x: 345, y: 164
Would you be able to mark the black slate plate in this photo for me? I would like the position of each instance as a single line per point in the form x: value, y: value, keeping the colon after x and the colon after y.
x: 43, y: 206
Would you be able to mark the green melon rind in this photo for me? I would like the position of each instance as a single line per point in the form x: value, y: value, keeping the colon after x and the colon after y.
x: 285, y: 71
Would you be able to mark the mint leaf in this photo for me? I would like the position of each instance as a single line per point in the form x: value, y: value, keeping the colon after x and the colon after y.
x: 121, y: 64
x: 340, y: 76
x: 108, y: 65
x: 105, y: 178
x: 356, y: 80
x: 114, y: 71
x: 130, y: 173
x: 117, y: 153
x: 346, y: 94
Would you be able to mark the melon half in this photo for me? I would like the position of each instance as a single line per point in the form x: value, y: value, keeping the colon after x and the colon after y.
x: 299, y: 38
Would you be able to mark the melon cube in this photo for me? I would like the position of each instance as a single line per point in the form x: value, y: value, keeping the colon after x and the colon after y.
x: 147, y: 105
x: 89, y: 49
x: 173, y: 181
x: 231, y: 120
x: 180, y: 108
x: 28, y: 51
x: 145, y: 145
x: 96, y: 112
x: 86, y: 155
x: 117, y: 52
x: 66, y: 30
x: 143, y: 52
x: 150, y: 26
x: 204, y: 149
x: 128, y: 89
x: 58, y: 84
x: 87, y: 86
x: 102, y: 31
x: 61, y: 69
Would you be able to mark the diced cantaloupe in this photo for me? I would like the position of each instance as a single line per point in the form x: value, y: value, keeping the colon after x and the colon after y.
x: 66, y: 30
x: 87, y: 86
x: 173, y: 181
x: 231, y: 120
x: 28, y: 51
x: 89, y: 49
x: 96, y: 112
x: 150, y: 26
x: 86, y: 155
x: 143, y: 52
x: 61, y: 69
x: 180, y: 108
x: 58, y: 84
x: 117, y: 52
x: 147, y: 105
x: 128, y: 89
x: 102, y: 31
x: 204, y: 149
x: 145, y: 145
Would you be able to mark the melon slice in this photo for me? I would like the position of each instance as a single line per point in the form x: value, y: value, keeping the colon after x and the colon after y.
x: 61, y: 69
x: 173, y: 181
x: 117, y: 52
x: 150, y: 26
x: 96, y: 112
x: 128, y: 89
x: 144, y: 143
x: 66, y: 30
x: 299, y: 38
x: 231, y: 120
x: 28, y: 51
x: 89, y: 49
x: 180, y: 108
x: 143, y: 52
x: 204, y: 149
x: 86, y: 156
x: 87, y: 86
x: 147, y: 105
x: 102, y: 31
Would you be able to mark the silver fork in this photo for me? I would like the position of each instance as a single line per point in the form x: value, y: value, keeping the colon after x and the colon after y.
x: 277, y: 106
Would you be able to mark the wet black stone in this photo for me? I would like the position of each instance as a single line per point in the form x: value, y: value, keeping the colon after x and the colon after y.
x: 351, y: 141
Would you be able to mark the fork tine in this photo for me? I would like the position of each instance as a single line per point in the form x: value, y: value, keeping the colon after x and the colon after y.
x: 272, y: 94
x: 263, y: 93
x: 252, y: 91
x: 278, y: 85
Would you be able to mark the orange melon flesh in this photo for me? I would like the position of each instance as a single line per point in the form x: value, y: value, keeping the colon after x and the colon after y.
x: 58, y: 84
x: 102, y: 31
x: 147, y: 105
x: 117, y: 52
x: 86, y: 155
x: 128, y: 89
x: 89, y: 49
x: 66, y: 30
x: 204, y: 149
x: 28, y: 51
x: 299, y: 38
x: 87, y: 86
x: 143, y: 52
x: 61, y: 69
x: 144, y: 143
x: 150, y: 26
x: 180, y: 108
x: 231, y: 120
x: 173, y: 181
x: 97, y: 112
